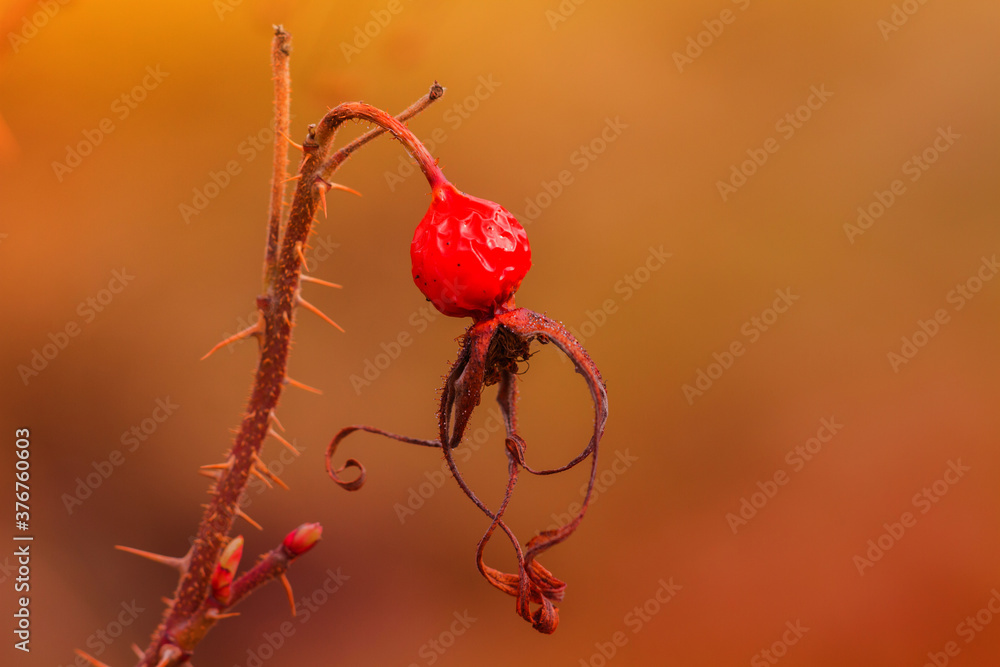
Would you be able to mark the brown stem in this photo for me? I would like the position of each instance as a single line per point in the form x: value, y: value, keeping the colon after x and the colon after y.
x: 281, y: 48
x: 271, y: 566
x: 359, y: 110
x: 338, y: 158
x: 193, y: 612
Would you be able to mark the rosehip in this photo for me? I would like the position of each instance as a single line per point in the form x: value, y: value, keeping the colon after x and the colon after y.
x: 469, y: 254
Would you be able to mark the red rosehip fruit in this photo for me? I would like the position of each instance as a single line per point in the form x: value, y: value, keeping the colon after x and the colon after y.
x: 469, y: 254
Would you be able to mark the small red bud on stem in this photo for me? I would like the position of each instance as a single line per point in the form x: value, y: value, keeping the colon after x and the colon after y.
x: 302, y: 539
x: 225, y: 569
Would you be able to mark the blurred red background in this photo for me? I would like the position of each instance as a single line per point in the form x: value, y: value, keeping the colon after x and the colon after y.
x: 647, y: 108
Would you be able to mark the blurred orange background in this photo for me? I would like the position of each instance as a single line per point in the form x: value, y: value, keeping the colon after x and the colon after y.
x: 740, y: 138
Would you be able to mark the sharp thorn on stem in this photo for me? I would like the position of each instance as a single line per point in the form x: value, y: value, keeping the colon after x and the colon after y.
x: 274, y: 418
x: 179, y: 564
x: 262, y: 467
x: 313, y: 309
x: 298, y: 251
x: 288, y: 591
x: 289, y: 140
x: 256, y: 473
x: 271, y: 432
x: 253, y: 330
x: 310, y: 279
x: 322, y: 187
x: 301, y: 385
x: 246, y: 517
x: 338, y: 186
x: 168, y: 654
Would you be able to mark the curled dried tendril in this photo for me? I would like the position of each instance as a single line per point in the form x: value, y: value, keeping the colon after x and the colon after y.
x: 490, y: 353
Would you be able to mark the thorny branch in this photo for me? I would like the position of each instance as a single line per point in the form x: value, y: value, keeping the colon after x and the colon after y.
x: 208, y: 586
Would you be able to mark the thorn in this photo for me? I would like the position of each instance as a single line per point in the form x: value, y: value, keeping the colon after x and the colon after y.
x: 170, y: 561
x: 296, y: 383
x: 287, y: 444
x: 211, y: 474
x: 308, y: 306
x: 167, y: 601
x: 289, y: 140
x: 292, y: 178
x: 253, y: 330
x: 338, y: 186
x: 138, y: 651
x: 168, y: 654
x: 246, y: 517
x: 323, y: 186
x: 302, y: 256
x: 254, y: 471
x: 267, y: 472
x: 91, y: 659
x: 277, y: 423
x: 284, y: 316
x: 288, y: 590
x: 216, y: 615
x: 220, y: 466
x: 310, y: 279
